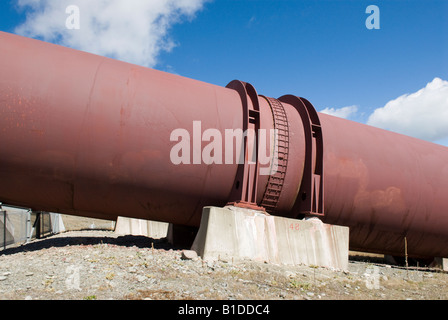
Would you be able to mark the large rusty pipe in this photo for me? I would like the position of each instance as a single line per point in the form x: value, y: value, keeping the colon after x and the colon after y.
x: 386, y: 186
x: 87, y: 135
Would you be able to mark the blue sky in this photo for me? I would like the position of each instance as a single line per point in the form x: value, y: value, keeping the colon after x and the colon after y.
x: 320, y: 50
x: 317, y: 49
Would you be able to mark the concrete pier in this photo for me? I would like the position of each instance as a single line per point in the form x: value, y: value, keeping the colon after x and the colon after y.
x: 141, y: 227
x: 233, y: 233
x: 440, y: 263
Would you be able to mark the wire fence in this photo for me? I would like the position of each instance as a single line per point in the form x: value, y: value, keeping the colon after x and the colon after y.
x: 18, y: 225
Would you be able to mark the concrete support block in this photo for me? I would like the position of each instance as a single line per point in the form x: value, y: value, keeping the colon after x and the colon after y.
x: 76, y: 223
x: 140, y: 227
x: 236, y: 233
x: 441, y: 263
x: 57, y: 224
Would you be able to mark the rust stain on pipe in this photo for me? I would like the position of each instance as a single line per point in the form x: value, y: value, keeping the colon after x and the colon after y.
x: 87, y: 135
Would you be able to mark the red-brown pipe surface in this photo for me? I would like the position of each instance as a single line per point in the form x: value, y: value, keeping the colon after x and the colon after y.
x: 386, y: 186
x: 82, y: 133
x: 87, y: 135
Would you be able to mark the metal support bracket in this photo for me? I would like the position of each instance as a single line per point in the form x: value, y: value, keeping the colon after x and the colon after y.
x: 310, y: 198
x: 244, y: 192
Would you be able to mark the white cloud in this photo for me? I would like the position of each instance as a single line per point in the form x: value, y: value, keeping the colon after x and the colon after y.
x: 423, y: 114
x: 134, y: 31
x: 344, y: 112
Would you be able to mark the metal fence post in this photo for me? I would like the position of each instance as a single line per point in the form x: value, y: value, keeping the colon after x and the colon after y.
x: 29, y: 229
x: 4, y: 230
x: 37, y: 224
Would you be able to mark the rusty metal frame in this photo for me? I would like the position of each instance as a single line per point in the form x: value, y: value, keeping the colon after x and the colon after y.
x: 310, y: 199
x: 244, y: 192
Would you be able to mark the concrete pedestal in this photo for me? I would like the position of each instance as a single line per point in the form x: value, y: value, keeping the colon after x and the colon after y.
x: 233, y: 233
x: 441, y: 263
x: 140, y: 227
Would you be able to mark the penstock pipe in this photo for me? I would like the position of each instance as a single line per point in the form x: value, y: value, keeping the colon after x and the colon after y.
x: 91, y: 136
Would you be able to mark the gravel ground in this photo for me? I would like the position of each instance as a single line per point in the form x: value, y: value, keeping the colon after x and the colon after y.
x: 100, y: 265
